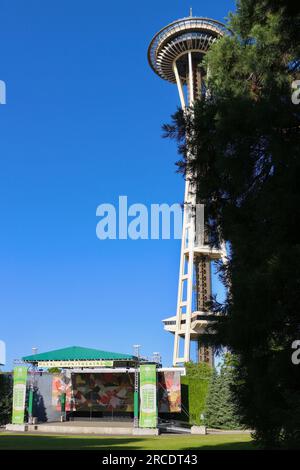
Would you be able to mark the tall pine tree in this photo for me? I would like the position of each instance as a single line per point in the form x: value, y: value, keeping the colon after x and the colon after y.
x: 221, y: 410
x: 246, y: 143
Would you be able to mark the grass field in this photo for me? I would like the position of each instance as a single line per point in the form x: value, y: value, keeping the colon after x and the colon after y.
x: 13, y: 441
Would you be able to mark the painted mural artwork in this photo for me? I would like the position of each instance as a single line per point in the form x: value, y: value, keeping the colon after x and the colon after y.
x: 112, y: 392
x: 169, y: 392
x: 61, y: 384
x: 103, y: 392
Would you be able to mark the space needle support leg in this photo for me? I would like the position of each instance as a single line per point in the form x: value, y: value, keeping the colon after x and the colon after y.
x: 179, y: 86
x: 176, y: 358
x: 191, y: 79
x: 188, y: 317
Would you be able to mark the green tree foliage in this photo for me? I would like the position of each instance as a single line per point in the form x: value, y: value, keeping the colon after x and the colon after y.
x: 194, y: 387
x: 6, y: 392
x: 246, y: 147
x: 221, y: 410
x: 194, y: 370
x: 212, y: 406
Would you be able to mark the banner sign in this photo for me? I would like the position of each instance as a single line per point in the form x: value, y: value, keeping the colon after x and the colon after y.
x: 169, y: 392
x: 19, y: 394
x: 148, y: 405
x: 75, y: 363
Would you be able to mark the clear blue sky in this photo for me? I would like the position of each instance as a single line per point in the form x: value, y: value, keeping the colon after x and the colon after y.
x: 82, y: 125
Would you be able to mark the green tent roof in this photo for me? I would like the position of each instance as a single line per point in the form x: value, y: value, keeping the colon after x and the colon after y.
x: 76, y: 353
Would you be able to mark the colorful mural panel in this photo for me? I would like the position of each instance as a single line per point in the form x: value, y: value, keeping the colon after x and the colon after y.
x: 169, y: 392
x: 103, y: 392
x: 62, y: 384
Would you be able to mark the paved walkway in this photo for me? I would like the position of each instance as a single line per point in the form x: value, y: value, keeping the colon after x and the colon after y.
x: 229, y: 431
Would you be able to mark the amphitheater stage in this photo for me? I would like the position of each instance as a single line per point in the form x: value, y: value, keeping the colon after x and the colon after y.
x: 100, y: 428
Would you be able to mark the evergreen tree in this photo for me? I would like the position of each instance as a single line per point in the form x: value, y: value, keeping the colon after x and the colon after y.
x: 228, y: 410
x: 246, y: 144
x: 221, y: 410
x: 211, y: 414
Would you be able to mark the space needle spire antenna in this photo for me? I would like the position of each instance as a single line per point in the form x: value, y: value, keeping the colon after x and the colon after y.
x: 175, y: 54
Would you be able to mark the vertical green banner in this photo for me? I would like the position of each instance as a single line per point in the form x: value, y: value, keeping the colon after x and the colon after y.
x: 148, y: 405
x: 19, y: 394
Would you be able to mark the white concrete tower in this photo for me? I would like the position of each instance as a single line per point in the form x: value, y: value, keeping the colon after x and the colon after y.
x: 175, y: 54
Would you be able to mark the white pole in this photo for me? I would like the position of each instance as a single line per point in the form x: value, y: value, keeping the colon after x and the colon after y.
x: 179, y: 86
x: 191, y: 80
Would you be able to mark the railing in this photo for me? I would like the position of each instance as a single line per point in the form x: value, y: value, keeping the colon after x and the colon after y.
x: 182, y: 25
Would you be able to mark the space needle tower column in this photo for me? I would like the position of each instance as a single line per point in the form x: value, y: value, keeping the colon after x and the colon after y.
x: 175, y: 54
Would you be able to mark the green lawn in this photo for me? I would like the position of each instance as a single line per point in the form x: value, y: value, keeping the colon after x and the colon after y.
x: 164, y: 442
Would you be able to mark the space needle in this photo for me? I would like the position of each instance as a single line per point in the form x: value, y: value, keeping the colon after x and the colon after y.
x: 175, y: 54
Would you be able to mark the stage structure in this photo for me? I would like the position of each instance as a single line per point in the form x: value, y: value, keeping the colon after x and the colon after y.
x: 77, y: 383
x: 175, y: 54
